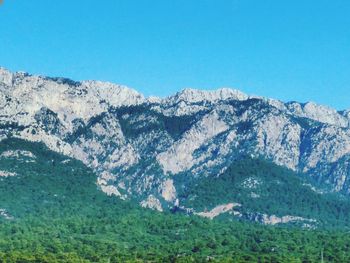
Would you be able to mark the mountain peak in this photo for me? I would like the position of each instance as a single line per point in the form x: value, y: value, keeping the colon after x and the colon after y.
x: 6, y: 76
x: 113, y: 94
x: 195, y: 95
x: 116, y: 95
x: 317, y: 112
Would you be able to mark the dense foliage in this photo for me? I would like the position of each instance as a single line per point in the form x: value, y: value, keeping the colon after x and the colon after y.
x: 132, y: 121
x: 59, y: 215
x: 261, y: 186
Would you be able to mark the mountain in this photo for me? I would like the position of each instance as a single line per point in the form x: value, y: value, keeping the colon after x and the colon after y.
x: 51, y: 210
x: 157, y: 150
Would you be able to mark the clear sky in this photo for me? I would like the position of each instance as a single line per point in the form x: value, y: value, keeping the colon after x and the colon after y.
x: 290, y: 50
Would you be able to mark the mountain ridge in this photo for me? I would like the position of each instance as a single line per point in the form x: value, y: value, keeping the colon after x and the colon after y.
x: 138, y: 146
x: 225, y: 92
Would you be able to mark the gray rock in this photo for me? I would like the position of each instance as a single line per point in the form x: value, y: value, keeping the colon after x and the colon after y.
x: 137, y: 145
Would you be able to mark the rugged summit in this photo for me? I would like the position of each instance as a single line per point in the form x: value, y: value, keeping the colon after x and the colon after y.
x: 139, y: 146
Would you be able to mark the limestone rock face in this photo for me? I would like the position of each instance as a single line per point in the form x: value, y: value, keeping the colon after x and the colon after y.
x: 138, y: 145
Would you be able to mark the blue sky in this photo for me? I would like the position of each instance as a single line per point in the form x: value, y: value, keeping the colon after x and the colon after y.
x: 290, y: 50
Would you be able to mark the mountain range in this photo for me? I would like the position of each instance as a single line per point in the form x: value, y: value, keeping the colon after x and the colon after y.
x: 192, y: 152
x: 96, y: 172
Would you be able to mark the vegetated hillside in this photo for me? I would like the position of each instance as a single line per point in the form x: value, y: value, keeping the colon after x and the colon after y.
x: 53, y: 211
x: 139, y: 146
x: 262, y: 187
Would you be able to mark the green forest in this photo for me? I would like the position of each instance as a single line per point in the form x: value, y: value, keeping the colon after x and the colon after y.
x: 56, y: 213
x: 280, y: 192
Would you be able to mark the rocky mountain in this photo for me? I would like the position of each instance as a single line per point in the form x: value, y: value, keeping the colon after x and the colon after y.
x: 140, y: 147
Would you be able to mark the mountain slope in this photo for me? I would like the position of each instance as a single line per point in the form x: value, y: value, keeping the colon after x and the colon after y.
x: 266, y: 193
x: 52, y: 211
x: 138, y: 146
